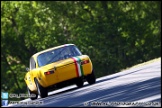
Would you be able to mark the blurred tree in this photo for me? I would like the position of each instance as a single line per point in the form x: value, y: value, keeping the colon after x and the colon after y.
x: 115, y: 34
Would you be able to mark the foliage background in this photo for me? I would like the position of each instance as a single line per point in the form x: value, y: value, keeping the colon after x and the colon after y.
x: 115, y: 34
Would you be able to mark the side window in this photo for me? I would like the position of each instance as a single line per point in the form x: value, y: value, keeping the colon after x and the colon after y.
x: 32, y: 64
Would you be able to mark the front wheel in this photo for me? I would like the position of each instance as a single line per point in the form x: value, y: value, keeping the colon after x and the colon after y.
x: 33, y: 96
x: 41, y: 90
x: 91, y: 79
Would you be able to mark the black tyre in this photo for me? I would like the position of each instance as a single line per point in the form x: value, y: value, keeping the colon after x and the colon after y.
x: 33, y: 96
x: 79, y: 82
x: 91, y: 79
x: 41, y: 90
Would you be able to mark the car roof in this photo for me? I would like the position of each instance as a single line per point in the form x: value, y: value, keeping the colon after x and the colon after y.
x: 46, y: 50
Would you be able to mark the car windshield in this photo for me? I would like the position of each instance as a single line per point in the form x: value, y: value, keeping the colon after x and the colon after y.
x: 58, y: 54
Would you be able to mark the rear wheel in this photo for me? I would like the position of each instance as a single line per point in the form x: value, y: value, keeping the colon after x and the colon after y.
x: 91, y: 79
x: 41, y: 90
x: 33, y: 96
x: 79, y: 82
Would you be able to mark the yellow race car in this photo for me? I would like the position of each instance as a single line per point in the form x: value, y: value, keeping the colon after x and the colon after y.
x: 58, y: 67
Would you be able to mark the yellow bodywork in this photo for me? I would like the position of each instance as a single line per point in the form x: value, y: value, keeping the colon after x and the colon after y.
x: 63, y: 70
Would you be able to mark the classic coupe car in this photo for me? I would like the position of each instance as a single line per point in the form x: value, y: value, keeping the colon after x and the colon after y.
x: 58, y: 67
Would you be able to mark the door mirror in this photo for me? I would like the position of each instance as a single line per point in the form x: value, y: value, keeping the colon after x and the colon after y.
x: 27, y: 69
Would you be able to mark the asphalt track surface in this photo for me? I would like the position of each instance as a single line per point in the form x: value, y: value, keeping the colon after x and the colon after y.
x: 136, y: 86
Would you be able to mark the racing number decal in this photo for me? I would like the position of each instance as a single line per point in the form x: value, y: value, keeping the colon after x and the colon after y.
x: 78, y: 66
